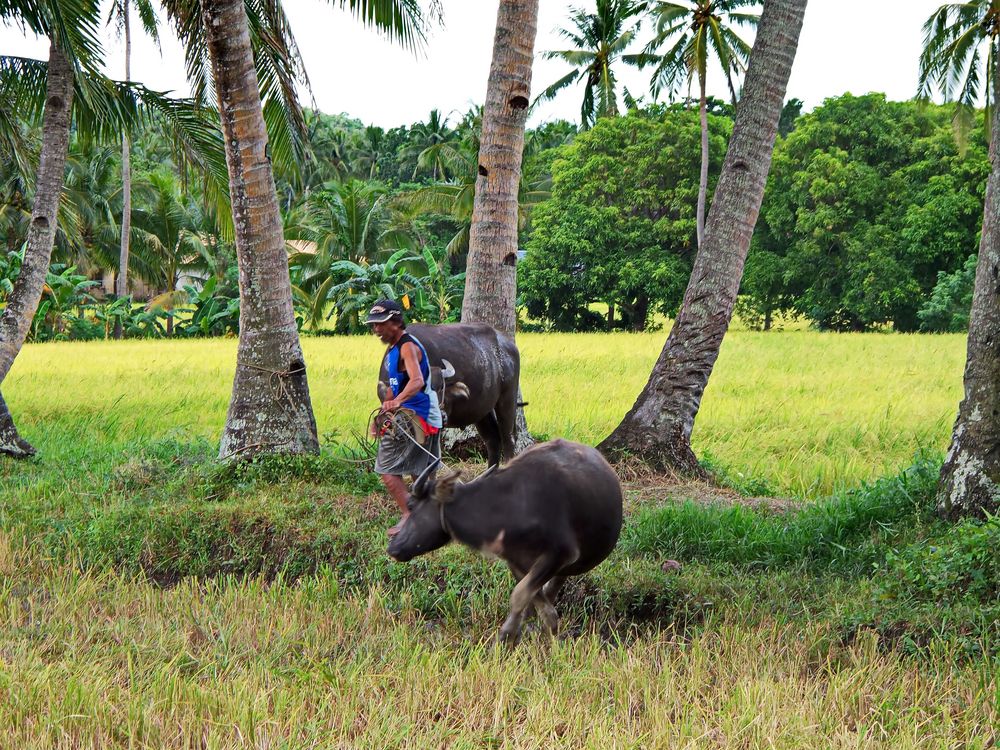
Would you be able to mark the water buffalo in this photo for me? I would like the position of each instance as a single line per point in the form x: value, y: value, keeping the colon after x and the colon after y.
x: 554, y: 511
x: 482, y: 390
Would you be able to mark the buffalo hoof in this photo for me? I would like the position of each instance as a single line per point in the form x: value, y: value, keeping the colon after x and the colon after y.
x: 508, y: 638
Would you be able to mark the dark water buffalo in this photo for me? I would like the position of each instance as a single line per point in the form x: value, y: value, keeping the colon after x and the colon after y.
x: 482, y: 391
x: 554, y: 511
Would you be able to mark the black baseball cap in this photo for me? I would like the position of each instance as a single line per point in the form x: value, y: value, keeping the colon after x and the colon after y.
x: 383, y: 310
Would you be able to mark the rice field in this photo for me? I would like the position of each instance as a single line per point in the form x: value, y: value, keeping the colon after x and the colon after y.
x: 808, y: 413
x: 96, y: 656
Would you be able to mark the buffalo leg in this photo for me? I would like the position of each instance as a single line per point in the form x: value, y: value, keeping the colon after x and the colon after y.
x: 542, y: 603
x: 525, y: 592
x: 489, y: 431
x: 506, y: 412
x: 552, y: 588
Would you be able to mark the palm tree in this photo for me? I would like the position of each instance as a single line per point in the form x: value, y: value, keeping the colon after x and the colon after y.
x: 491, y: 271
x: 119, y: 16
x: 455, y: 197
x: 490, y: 282
x: 599, y: 40
x: 71, y: 27
x: 369, y: 150
x: 954, y: 39
x: 71, y: 89
x: 952, y: 59
x: 693, y: 32
x: 169, y: 238
x: 429, y: 143
x: 343, y: 222
x: 270, y: 410
x: 658, y: 427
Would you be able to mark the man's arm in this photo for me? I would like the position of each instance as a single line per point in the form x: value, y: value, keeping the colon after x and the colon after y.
x: 411, y: 355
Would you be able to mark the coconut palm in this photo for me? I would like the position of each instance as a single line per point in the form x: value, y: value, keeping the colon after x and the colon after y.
x: 689, y: 34
x: 600, y: 40
x: 490, y: 284
x: 961, y: 44
x: 270, y: 410
x: 71, y: 27
x: 68, y: 89
x: 658, y: 427
x: 371, y: 148
x: 343, y: 222
x: 429, y: 143
x: 119, y: 17
x: 961, y: 56
x: 455, y: 198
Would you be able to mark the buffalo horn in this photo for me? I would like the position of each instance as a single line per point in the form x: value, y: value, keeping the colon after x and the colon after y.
x: 447, y: 370
x: 418, y: 486
x: 484, y: 474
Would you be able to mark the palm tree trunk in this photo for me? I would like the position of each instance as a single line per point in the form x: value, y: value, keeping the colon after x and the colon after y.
x: 270, y: 410
x: 22, y: 302
x: 658, y: 427
x: 703, y: 177
x: 121, y: 283
x: 970, y: 477
x: 490, y: 283
x: 491, y: 276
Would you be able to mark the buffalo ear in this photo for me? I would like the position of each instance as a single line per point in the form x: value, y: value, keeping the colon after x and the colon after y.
x: 444, y: 487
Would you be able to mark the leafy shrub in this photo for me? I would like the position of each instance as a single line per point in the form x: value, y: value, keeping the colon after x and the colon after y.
x: 215, y: 311
x: 846, y: 531
x: 947, y: 310
x: 960, y: 564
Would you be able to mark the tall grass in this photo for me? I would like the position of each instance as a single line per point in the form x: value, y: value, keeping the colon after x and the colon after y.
x: 807, y: 412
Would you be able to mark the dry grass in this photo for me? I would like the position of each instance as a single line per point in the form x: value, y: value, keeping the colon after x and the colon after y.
x: 100, y: 661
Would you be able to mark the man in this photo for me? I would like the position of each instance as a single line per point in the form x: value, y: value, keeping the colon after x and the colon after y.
x: 402, y: 448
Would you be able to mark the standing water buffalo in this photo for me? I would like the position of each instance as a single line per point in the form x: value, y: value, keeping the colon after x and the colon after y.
x: 482, y: 390
x: 554, y: 511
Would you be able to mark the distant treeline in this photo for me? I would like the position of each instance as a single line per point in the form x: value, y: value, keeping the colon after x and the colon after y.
x: 870, y: 219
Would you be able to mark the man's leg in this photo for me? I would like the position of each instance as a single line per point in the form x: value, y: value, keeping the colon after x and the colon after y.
x: 397, y: 488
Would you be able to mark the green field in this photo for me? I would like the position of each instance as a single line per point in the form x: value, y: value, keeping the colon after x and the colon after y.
x: 152, y: 598
x: 806, y: 412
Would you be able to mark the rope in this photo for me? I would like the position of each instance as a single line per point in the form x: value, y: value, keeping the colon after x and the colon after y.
x: 276, y: 381
x: 393, y: 424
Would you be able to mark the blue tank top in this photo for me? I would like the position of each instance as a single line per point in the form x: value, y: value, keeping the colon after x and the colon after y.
x: 424, y: 404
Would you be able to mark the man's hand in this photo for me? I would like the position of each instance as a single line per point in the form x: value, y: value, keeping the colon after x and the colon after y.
x: 391, y: 405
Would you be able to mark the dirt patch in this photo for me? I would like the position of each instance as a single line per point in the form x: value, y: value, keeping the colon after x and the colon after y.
x: 642, y: 486
x: 666, y: 488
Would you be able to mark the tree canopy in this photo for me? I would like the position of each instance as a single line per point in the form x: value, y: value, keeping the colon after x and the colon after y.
x: 619, y: 228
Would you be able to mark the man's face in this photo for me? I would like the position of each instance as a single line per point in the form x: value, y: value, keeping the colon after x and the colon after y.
x: 388, y: 331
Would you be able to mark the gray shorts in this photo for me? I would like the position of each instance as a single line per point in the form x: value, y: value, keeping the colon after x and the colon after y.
x: 399, y: 455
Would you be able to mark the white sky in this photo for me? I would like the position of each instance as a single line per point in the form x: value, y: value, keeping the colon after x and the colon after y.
x: 846, y: 45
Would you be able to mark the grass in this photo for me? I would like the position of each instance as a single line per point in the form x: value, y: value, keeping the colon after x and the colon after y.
x: 810, y: 413
x: 152, y: 598
x: 102, y: 659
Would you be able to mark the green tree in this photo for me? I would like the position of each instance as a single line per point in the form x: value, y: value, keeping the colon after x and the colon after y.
x: 619, y: 228
x: 688, y: 35
x: 599, y: 42
x: 947, y: 310
x: 428, y: 146
x: 349, y: 222
x: 867, y: 201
